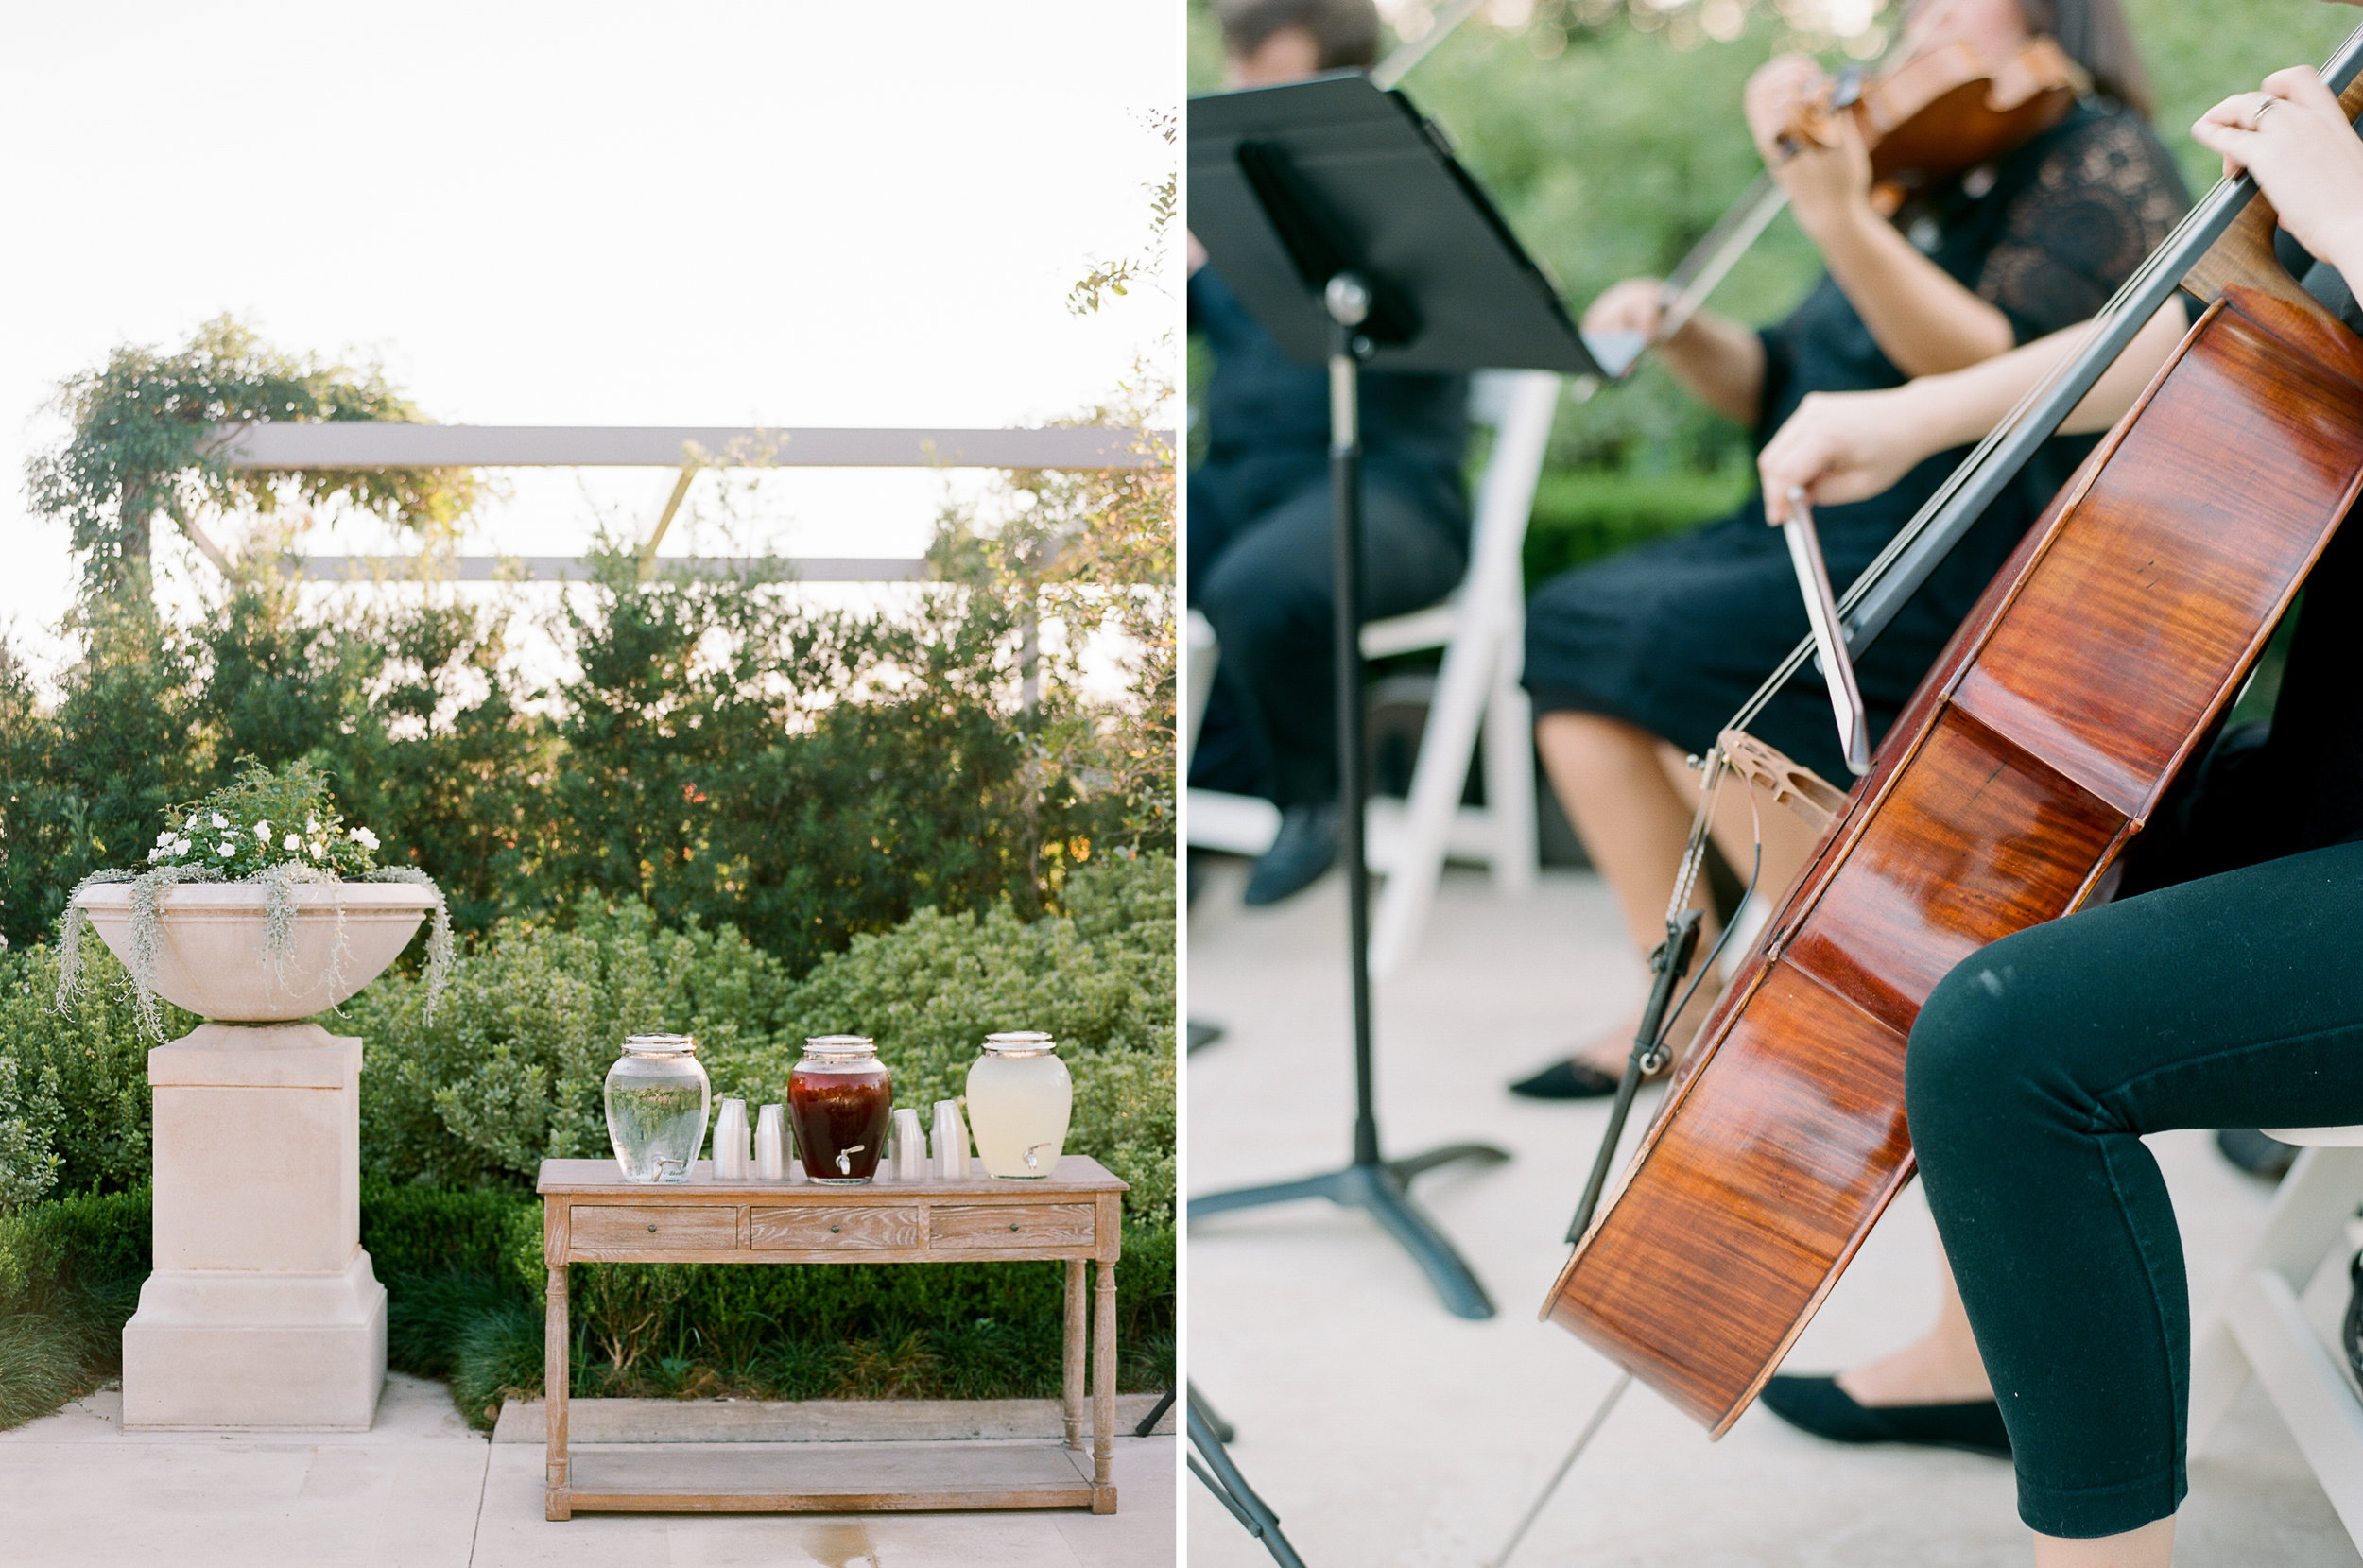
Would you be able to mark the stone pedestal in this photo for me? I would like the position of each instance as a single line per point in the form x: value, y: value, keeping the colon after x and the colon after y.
x: 263, y: 1310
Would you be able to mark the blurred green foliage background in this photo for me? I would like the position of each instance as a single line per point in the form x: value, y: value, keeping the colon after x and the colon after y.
x: 1612, y: 147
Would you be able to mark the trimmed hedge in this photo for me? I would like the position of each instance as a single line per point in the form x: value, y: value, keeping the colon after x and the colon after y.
x: 464, y: 1278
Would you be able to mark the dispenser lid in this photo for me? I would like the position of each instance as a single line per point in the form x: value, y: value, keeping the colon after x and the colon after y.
x: 1020, y: 1042
x: 660, y: 1044
x: 841, y: 1045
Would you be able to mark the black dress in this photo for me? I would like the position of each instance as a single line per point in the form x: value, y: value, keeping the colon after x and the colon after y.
x: 1675, y: 635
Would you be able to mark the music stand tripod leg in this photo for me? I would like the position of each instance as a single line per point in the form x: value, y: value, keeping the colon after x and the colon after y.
x: 1222, y: 1477
x: 1371, y: 1182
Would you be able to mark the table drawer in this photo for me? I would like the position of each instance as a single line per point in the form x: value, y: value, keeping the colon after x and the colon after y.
x: 685, y: 1227
x: 813, y: 1227
x: 1014, y: 1225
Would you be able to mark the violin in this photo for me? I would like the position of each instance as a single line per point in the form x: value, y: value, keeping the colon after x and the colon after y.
x: 1935, y: 114
x: 1942, y: 113
x: 2093, y: 669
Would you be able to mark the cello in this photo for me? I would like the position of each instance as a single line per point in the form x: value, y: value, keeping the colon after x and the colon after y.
x: 2092, y: 670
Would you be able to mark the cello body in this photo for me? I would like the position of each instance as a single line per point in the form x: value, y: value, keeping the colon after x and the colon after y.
x: 2094, y: 667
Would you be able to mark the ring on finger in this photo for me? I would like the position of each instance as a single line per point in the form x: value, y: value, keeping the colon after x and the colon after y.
x: 2264, y: 107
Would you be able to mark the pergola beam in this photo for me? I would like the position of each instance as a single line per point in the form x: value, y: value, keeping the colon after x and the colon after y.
x: 371, y: 444
x: 574, y: 569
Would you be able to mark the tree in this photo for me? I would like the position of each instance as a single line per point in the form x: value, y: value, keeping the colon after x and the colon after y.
x: 142, y: 444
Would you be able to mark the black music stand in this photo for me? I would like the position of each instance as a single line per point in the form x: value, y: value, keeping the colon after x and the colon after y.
x: 1342, y: 222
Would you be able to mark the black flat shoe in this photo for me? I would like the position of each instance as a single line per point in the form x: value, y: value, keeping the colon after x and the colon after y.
x: 1301, y: 850
x: 1567, y: 1081
x: 1819, y: 1405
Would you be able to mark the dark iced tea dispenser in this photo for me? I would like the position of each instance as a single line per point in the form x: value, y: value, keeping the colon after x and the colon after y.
x: 840, y: 1097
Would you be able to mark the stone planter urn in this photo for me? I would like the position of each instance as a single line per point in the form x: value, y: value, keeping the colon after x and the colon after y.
x: 263, y: 1311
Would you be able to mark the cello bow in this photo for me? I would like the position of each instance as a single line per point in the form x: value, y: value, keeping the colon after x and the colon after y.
x: 2092, y: 667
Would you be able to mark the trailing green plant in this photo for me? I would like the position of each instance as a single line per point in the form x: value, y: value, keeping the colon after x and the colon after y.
x: 278, y: 829
x: 143, y: 442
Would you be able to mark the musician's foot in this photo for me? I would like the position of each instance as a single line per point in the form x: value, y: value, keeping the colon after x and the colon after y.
x: 1569, y: 1079
x: 1601, y: 1065
x: 1304, y: 849
x: 1821, y: 1407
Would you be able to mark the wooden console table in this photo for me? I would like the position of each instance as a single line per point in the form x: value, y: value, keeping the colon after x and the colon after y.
x: 591, y: 1214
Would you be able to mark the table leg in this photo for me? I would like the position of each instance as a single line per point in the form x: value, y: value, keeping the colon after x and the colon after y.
x: 1104, y: 1394
x: 1073, y: 1392
x: 554, y: 1381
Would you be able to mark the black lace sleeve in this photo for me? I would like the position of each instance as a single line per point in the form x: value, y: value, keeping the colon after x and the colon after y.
x: 2096, y: 204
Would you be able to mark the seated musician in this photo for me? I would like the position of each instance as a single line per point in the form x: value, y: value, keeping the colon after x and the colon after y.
x: 2217, y: 997
x: 1636, y: 661
x: 1260, y: 518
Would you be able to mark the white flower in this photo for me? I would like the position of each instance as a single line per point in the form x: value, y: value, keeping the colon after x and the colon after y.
x: 262, y: 832
x: 312, y: 825
x: 364, y: 837
x: 155, y: 854
x: 219, y: 821
x: 320, y: 850
x: 291, y: 843
x: 228, y: 847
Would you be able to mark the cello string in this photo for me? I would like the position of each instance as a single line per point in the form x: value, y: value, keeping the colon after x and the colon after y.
x: 1722, y: 938
x: 1979, y: 457
x: 1695, y: 850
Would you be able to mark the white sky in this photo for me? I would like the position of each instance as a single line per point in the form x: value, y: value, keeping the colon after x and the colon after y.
x: 704, y: 212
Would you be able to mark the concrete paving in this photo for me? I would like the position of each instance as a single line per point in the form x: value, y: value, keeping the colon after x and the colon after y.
x: 1390, y: 1435
x: 421, y: 1491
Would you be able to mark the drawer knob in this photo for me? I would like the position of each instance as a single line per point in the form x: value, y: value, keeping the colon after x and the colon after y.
x: 652, y: 1230
x: 832, y: 1229
x: 1013, y: 1227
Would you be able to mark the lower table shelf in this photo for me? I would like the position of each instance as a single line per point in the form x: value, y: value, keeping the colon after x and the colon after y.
x: 827, y: 1477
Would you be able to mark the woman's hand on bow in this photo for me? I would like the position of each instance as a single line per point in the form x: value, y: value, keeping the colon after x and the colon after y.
x: 1840, y: 447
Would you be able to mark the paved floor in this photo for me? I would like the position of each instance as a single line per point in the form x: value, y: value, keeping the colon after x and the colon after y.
x: 421, y: 1491
x: 1388, y: 1435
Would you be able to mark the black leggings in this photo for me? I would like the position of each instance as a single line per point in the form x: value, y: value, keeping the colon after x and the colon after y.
x: 2037, y: 1065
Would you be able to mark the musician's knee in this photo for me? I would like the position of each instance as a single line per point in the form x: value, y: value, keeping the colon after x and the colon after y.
x: 1256, y: 609
x: 1976, y: 1035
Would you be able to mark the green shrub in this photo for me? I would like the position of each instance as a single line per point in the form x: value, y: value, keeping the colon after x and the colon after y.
x: 70, y: 1273
x: 720, y: 750
x: 511, y: 1069
x: 510, y: 1072
x: 74, y: 1100
x: 928, y: 991
x: 464, y: 1281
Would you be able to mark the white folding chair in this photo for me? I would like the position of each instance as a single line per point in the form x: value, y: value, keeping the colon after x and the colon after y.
x: 2258, y: 1328
x: 1481, y: 627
